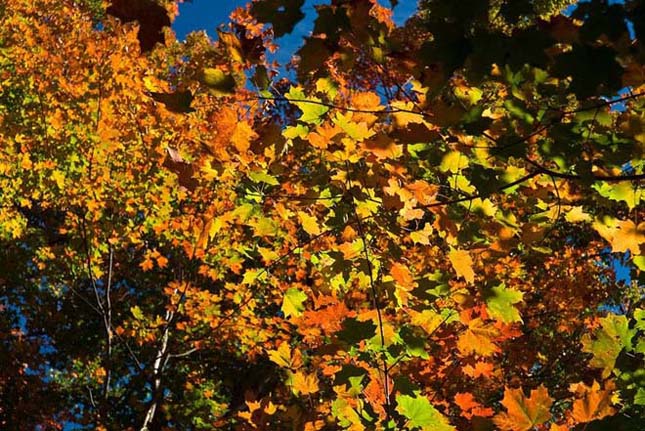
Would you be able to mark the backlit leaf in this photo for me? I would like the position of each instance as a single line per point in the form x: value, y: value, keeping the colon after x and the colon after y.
x: 311, y: 107
x: 219, y: 82
x: 421, y: 414
x: 304, y: 384
x: 293, y: 303
x: 309, y: 223
x: 500, y: 301
x: 592, y: 403
x: 523, y: 413
x: 462, y: 263
x: 607, y: 342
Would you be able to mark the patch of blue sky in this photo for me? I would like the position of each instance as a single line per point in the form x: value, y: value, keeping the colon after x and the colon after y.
x: 207, y: 15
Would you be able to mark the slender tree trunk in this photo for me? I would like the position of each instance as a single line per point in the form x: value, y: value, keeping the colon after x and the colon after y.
x: 158, y: 368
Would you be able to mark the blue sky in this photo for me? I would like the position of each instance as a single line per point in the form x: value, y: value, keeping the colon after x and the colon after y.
x: 209, y: 14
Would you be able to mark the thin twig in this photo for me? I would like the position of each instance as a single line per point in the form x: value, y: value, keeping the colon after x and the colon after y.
x: 375, y: 301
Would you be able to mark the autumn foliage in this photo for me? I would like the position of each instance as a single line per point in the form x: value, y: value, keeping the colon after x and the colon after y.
x: 432, y: 226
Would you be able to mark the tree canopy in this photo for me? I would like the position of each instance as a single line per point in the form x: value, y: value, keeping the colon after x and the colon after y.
x: 432, y: 226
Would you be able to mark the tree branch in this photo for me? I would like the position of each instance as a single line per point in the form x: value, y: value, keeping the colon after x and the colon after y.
x: 606, y: 178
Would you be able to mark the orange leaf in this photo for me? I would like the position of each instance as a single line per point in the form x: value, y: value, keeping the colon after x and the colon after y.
x: 402, y: 275
x: 481, y: 369
x: 462, y: 263
x: 593, y: 403
x: 323, y: 136
x: 524, y: 413
x: 304, y: 384
x: 469, y: 407
x: 242, y: 136
x: 623, y: 235
x: 147, y: 264
x: 478, y: 339
x: 383, y: 147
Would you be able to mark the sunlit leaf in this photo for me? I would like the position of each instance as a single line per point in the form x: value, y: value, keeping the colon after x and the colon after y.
x: 463, y: 264
x: 311, y: 107
x: 607, y: 342
x: 500, y: 301
x: 523, y: 413
x: 309, y: 223
x: 420, y: 413
x: 592, y: 403
x: 219, y: 82
x: 293, y: 302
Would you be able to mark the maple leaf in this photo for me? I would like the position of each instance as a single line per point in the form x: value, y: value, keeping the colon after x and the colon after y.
x: 309, y: 223
x: 312, y: 108
x: 607, y: 342
x: 523, y: 413
x: 478, y: 338
x: 354, y: 331
x: 219, y: 82
x: 453, y: 162
x: 623, y: 192
x: 420, y: 413
x: 470, y: 407
x: 402, y: 276
x: 422, y: 236
x: 292, y: 303
x: 404, y: 282
x: 147, y: 264
x: 151, y: 16
x: 285, y: 357
x: 623, y: 235
x: 382, y: 147
x: 430, y: 320
x: 304, y: 384
x: 592, y: 403
x: 500, y: 301
x: 462, y: 263
x: 481, y: 369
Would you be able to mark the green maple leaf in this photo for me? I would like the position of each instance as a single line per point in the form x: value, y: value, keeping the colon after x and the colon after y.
x: 219, y: 82
x: 292, y: 303
x: 609, y: 340
x: 137, y: 313
x: 500, y: 302
x: 421, y: 414
x: 311, y: 108
x: 621, y: 192
x: 263, y: 177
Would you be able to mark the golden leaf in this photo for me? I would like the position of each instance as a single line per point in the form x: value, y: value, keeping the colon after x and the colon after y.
x: 304, y: 384
x: 592, y: 404
x: 309, y: 223
x: 524, y: 413
x: 478, y: 339
x: 462, y: 263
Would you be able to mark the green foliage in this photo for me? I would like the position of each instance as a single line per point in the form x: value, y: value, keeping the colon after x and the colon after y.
x: 420, y: 228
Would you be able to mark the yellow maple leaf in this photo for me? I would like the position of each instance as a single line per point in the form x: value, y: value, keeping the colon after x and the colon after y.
x: 304, y: 384
x: 422, y: 236
x: 453, y: 161
x: 309, y: 223
x: 623, y: 235
x: 285, y: 357
x: 577, y: 215
x: 478, y: 339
